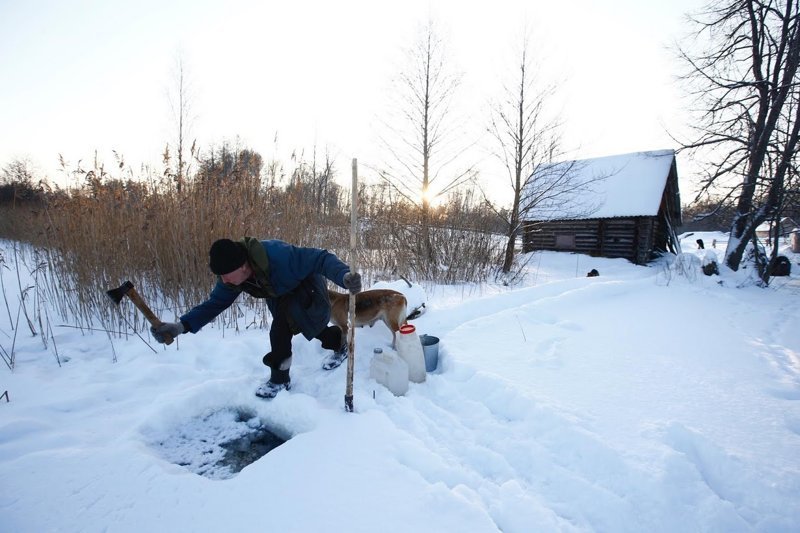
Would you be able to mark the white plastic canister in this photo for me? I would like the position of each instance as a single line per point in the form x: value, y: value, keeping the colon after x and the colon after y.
x: 409, y: 348
x: 390, y: 371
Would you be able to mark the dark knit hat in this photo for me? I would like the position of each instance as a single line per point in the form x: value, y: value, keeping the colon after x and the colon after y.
x: 225, y: 256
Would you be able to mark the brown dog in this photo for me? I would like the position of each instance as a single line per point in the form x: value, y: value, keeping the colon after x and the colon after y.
x: 373, y: 305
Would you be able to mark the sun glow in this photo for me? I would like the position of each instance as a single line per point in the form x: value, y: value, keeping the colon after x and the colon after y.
x: 427, y: 196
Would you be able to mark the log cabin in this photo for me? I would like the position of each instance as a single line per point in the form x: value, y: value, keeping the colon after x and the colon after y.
x: 616, y: 206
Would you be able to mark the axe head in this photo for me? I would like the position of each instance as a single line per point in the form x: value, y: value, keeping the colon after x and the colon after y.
x: 117, y: 294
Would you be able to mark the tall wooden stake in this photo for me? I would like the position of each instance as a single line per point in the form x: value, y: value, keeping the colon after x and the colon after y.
x: 351, y: 330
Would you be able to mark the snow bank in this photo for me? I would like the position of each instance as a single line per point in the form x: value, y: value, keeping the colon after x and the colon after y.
x: 611, y: 403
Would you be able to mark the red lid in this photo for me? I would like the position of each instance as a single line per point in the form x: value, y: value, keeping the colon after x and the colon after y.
x: 407, y: 328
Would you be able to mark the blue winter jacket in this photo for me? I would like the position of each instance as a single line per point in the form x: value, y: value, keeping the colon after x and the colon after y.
x: 296, y: 277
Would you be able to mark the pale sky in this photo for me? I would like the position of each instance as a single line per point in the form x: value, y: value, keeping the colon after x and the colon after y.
x: 79, y: 76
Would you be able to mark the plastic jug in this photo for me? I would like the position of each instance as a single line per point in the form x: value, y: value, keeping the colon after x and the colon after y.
x: 409, y: 348
x: 390, y: 371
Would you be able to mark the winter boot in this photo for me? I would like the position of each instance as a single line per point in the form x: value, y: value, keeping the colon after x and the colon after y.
x: 335, y: 359
x: 268, y: 390
x: 278, y: 380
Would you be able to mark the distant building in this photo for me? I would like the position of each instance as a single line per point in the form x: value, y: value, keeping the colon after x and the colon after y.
x: 787, y: 226
x: 617, y: 206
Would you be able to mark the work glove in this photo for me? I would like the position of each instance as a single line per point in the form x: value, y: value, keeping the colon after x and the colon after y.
x: 352, y: 282
x: 173, y: 329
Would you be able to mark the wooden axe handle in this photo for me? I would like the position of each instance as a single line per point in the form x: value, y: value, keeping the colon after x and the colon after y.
x: 148, y: 314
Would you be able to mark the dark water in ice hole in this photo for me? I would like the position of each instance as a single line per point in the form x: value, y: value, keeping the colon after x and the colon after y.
x: 218, y: 443
x: 248, y: 449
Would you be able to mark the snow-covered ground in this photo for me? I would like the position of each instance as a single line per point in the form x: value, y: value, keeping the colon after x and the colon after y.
x: 639, y: 400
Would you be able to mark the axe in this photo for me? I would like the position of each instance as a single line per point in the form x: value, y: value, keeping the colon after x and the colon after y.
x: 126, y: 289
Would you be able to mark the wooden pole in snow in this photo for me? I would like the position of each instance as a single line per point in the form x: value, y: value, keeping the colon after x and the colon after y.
x: 351, y: 330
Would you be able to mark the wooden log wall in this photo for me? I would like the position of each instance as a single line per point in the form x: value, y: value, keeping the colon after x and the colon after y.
x: 633, y: 238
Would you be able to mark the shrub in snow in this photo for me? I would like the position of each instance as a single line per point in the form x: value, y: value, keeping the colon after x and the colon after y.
x: 750, y: 253
x: 710, y: 269
x: 708, y: 260
x: 686, y: 265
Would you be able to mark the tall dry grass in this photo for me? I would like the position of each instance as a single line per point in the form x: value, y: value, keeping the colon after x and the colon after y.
x: 110, y: 228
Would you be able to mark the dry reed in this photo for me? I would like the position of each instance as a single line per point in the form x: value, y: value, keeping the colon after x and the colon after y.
x: 106, y: 229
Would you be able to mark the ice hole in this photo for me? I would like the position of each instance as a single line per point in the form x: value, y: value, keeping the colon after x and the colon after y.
x: 219, y: 443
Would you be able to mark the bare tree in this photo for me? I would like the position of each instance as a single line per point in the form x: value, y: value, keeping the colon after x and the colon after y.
x: 526, y: 135
x: 743, y: 75
x: 180, y: 103
x: 314, y: 181
x: 18, y: 183
x: 423, y: 140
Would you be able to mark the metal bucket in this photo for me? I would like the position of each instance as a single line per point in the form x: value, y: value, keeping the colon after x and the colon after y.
x: 430, y: 348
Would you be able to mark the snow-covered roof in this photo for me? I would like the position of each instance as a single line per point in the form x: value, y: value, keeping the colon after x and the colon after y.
x: 787, y: 224
x: 613, y: 186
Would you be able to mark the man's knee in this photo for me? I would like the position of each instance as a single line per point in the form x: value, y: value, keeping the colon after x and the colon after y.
x: 276, y: 361
x: 331, y: 338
